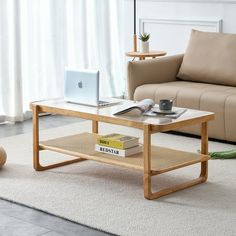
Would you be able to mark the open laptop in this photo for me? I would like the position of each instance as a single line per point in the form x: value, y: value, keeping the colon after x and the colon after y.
x: 82, y: 87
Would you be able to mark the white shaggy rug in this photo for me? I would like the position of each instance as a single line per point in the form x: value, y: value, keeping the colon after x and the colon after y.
x: 111, y: 198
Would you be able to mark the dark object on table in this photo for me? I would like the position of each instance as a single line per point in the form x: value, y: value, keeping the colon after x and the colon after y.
x: 165, y: 104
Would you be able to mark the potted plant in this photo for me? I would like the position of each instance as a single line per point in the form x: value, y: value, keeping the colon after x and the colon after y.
x: 144, y: 43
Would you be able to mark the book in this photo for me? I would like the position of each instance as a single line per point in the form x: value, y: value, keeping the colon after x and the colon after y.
x: 147, y: 107
x: 174, y: 113
x: 118, y: 141
x: 119, y: 152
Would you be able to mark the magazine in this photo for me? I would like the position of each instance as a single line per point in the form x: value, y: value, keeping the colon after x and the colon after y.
x: 137, y: 108
x: 147, y: 107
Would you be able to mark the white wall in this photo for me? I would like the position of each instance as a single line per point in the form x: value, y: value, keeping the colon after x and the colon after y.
x: 171, y: 21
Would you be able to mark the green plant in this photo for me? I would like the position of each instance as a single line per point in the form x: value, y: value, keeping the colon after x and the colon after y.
x: 144, y: 37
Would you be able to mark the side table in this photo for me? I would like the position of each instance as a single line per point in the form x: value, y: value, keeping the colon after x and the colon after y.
x: 142, y: 56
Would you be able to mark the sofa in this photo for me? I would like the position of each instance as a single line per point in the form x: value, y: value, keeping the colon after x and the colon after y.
x: 203, y: 78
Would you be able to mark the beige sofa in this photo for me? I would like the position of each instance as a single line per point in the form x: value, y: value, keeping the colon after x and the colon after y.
x: 203, y: 78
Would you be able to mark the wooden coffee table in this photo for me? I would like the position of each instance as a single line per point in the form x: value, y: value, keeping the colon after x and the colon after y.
x: 153, y: 161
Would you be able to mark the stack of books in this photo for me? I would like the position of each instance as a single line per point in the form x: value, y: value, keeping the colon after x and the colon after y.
x: 118, y: 145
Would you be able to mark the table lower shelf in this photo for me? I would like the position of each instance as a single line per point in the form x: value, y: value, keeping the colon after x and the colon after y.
x: 162, y: 159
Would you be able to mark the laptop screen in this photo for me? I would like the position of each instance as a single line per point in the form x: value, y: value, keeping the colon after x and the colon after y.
x: 81, y: 86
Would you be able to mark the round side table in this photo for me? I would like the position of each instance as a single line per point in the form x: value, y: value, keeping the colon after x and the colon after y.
x: 142, y: 56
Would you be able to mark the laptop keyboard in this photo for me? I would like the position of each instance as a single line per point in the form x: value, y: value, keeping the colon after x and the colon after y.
x: 103, y: 102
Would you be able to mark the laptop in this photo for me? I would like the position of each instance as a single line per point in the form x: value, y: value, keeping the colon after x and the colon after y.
x: 82, y: 87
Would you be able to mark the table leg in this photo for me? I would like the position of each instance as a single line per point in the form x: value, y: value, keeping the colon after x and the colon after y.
x: 95, y: 126
x: 148, y: 194
x: 204, y: 150
x: 35, y: 120
x: 147, y: 161
x: 36, y: 146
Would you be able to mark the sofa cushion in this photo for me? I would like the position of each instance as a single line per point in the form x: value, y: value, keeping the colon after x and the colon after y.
x: 208, y: 97
x: 210, y: 58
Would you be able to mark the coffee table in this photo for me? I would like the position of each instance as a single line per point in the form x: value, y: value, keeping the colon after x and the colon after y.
x: 153, y: 161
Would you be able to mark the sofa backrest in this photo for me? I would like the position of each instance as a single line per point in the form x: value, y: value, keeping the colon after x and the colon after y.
x: 210, y: 58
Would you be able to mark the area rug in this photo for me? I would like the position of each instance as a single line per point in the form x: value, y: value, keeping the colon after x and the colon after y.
x: 111, y: 198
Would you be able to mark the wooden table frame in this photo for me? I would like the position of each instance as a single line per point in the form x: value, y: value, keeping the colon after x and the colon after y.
x: 36, y: 146
x: 148, y: 194
x: 147, y: 132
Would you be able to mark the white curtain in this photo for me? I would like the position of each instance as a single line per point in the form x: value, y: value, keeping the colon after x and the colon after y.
x: 38, y: 38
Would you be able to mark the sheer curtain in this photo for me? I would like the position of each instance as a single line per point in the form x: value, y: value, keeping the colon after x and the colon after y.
x: 39, y: 38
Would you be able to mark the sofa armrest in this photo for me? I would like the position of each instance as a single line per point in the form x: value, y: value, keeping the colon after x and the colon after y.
x: 153, y: 71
